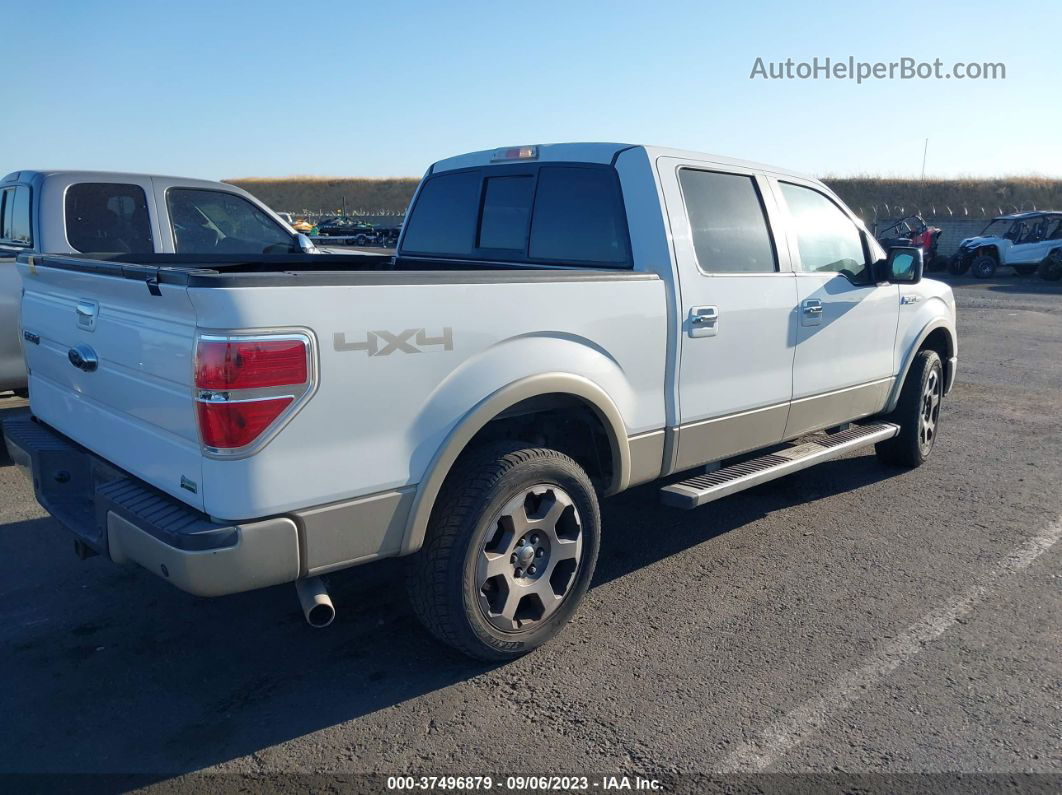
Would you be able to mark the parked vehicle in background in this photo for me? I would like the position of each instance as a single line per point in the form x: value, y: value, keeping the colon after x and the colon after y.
x: 559, y: 323
x: 914, y: 231
x: 106, y: 212
x: 387, y: 236
x: 302, y: 226
x: 343, y: 226
x: 1024, y: 241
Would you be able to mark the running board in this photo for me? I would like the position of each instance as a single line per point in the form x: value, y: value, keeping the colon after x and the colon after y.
x: 697, y: 491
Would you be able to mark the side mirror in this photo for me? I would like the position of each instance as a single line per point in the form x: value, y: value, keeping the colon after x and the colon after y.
x: 306, y: 245
x: 902, y: 266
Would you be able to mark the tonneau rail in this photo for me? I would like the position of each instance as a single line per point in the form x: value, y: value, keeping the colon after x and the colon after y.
x: 310, y: 269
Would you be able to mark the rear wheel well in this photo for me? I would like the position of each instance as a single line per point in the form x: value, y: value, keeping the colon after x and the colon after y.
x: 562, y: 422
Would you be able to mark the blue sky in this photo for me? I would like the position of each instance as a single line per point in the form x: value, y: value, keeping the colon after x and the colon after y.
x: 230, y: 89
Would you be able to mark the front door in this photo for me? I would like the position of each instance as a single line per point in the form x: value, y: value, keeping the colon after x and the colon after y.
x: 737, y: 298
x: 846, y: 332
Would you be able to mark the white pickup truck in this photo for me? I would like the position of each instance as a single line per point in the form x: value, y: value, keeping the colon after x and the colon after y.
x: 105, y: 211
x: 560, y: 323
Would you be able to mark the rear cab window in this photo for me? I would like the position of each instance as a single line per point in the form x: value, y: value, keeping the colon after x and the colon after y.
x: 542, y: 213
x: 108, y: 218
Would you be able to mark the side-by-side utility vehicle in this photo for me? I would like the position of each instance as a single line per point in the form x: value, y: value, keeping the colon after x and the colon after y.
x: 559, y: 323
x: 1026, y: 242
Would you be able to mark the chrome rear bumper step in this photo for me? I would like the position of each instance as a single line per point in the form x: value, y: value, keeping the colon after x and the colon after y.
x: 697, y: 491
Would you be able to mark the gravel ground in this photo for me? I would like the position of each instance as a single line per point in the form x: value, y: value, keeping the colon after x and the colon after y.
x: 847, y: 618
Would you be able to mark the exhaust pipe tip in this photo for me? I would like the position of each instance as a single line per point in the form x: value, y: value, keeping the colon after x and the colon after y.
x: 315, y: 601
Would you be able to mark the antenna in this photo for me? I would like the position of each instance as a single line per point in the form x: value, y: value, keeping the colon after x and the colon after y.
x: 924, y: 150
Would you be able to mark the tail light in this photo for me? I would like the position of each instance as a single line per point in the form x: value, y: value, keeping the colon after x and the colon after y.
x: 248, y: 386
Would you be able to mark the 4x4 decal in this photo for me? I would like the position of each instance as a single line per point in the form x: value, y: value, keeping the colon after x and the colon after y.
x: 384, y: 343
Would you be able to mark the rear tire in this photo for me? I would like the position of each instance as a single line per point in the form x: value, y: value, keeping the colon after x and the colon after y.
x: 917, y: 413
x: 510, y: 550
x: 1051, y: 267
x: 984, y: 266
x: 957, y: 265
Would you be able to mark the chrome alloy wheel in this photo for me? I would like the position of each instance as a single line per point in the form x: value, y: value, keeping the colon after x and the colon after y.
x: 530, y: 558
x: 930, y: 411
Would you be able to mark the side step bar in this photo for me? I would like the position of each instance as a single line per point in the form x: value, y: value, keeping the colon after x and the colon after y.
x: 697, y: 491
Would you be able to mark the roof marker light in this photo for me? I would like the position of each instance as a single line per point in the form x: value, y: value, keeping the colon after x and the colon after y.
x: 514, y: 153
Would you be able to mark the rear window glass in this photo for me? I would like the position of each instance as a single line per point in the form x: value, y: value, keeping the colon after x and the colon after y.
x: 444, y: 220
x: 550, y: 214
x: 579, y: 217
x: 15, y: 216
x: 108, y: 217
x: 506, y: 210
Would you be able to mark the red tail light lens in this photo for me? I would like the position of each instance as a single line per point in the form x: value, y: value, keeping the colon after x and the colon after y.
x: 245, y: 385
x: 250, y: 364
x: 232, y: 424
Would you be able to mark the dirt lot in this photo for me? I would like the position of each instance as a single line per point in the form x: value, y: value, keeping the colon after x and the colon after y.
x: 848, y: 618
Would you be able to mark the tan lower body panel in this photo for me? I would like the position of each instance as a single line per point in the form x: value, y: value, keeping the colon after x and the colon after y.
x: 647, y: 457
x: 354, y: 531
x: 834, y: 408
x: 712, y: 440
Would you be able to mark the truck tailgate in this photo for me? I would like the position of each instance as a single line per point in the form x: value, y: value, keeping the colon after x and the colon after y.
x: 135, y: 407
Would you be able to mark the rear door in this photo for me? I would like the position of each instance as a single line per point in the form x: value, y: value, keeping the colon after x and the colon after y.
x: 846, y: 326
x: 110, y: 366
x: 737, y: 297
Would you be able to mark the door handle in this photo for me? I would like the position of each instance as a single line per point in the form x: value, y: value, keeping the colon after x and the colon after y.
x: 812, y: 306
x: 704, y: 321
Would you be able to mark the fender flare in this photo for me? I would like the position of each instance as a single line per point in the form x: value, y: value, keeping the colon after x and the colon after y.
x: 489, y: 408
x: 908, y: 359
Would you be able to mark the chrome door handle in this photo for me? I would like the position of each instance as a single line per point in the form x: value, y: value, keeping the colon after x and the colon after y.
x: 704, y: 321
x: 813, y: 306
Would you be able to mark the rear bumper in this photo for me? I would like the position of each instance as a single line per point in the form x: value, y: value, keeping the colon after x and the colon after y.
x: 117, y: 515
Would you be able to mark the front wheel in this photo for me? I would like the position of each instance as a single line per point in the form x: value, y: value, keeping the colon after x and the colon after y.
x: 510, y: 550
x: 984, y: 266
x: 917, y: 413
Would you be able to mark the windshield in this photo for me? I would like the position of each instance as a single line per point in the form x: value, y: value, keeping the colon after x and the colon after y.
x: 996, y: 228
x: 216, y: 222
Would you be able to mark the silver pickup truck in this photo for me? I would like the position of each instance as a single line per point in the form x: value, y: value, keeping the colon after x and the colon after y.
x: 560, y: 323
x: 92, y: 212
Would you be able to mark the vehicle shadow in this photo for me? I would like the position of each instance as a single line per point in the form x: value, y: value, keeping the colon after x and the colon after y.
x: 10, y: 406
x: 635, y: 515
x: 140, y: 678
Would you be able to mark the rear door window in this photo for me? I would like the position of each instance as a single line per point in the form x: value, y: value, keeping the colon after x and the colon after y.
x: 108, y: 217
x: 728, y: 222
